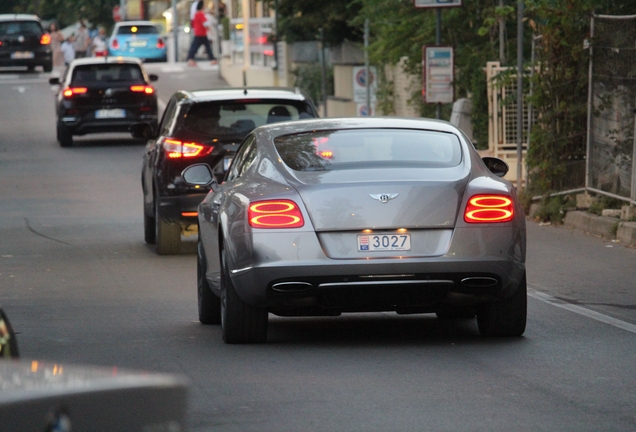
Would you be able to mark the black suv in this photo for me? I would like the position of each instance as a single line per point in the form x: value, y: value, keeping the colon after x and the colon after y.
x: 23, y: 42
x: 103, y: 94
x: 204, y: 126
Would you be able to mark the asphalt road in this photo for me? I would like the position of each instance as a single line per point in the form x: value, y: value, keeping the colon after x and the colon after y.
x: 80, y: 286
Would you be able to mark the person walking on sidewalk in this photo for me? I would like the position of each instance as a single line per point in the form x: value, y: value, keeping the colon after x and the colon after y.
x: 200, y: 26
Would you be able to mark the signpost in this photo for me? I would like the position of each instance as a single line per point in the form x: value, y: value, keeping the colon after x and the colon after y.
x: 360, y: 84
x: 438, y: 70
x: 436, y: 3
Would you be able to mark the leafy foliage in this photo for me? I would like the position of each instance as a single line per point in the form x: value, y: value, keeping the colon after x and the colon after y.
x: 399, y: 30
x: 301, y: 20
x: 65, y: 12
x: 309, y: 78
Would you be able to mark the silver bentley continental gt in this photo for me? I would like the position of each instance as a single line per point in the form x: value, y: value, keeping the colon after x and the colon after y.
x: 325, y: 216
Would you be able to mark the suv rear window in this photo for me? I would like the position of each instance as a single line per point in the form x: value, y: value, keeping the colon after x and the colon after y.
x: 107, y: 73
x: 140, y: 29
x: 208, y: 119
x: 368, y: 148
x: 20, y: 28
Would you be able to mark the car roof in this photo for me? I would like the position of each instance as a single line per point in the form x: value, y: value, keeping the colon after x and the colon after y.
x: 19, y: 17
x: 107, y: 60
x: 298, y: 126
x: 238, y: 93
x: 136, y: 23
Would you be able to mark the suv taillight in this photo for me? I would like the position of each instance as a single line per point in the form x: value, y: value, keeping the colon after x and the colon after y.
x: 70, y: 91
x: 45, y: 39
x: 160, y: 43
x: 275, y: 214
x: 176, y: 149
x: 142, y: 89
x: 489, y: 209
x: 114, y: 44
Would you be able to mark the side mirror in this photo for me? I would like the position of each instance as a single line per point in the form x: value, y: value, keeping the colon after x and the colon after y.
x: 54, y: 81
x: 496, y: 166
x: 198, y: 175
x: 153, y: 77
x: 141, y: 130
x: 8, y: 342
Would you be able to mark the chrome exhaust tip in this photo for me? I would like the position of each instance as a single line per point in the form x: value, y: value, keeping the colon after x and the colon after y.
x: 291, y: 287
x: 479, y: 282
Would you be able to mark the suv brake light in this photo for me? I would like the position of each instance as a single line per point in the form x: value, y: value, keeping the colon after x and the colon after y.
x: 160, y: 43
x: 70, y: 91
x: 114, y: 44
x: 275, y: 214
x: 176, y: 149
x: 45, y: 39
x: 142, y: 88
x: 489, y: 209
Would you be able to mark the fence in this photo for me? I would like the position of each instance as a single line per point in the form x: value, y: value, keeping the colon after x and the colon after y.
x: 611, y: 150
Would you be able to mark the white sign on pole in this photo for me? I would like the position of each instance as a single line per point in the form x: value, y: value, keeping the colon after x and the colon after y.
x: 438, y: 70
x: 360, y: 84
x: 436, y: 3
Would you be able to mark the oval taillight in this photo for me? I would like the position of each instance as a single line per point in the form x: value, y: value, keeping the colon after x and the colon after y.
x: 489, y: 209
x: 275, y: 214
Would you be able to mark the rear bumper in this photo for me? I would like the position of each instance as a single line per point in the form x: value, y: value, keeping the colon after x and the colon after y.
x: 172, y: 208
x: 79, y: 126
x: 296, y: 274
x: 40, y: 58
x: 147, y: 55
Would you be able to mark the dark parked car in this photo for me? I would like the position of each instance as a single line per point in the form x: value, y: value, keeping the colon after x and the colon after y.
x: 203, y: 126
x: 326, y: 216
x: 103, y: 94
x: 23, y: 42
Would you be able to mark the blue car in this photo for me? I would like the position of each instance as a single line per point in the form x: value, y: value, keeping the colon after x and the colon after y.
x: 141, y: 39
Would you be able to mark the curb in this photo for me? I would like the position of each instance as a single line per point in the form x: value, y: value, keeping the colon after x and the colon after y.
x: 602, y: 226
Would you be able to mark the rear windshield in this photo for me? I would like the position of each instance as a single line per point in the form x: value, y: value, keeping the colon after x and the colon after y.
x: 210, y: 119
x: 20, y: 28
x: 107, y: 72
x: 368, y: 148
x: 140, y: 29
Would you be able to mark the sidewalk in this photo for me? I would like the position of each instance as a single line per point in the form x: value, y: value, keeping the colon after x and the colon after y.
x: 609, y: 228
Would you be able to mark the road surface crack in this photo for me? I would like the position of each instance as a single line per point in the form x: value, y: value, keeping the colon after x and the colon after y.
x: 30, y: 228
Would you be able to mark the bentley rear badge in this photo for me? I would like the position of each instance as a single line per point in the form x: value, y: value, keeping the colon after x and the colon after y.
x: 383, y: 198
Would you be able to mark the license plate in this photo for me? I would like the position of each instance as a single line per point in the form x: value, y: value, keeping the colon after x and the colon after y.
x: 138, y: 43
x: 384, y: 242
x: 226, y: 163
x: 22, y: 55
x: 110, y: 113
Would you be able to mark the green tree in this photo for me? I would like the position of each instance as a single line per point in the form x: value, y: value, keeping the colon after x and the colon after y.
x: 65, y: 12
x: 301, y: 20
x: 399, y: 30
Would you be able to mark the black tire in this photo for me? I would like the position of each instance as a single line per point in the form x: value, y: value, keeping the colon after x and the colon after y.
x: 456, y: 313
x: 209, y: 304
x: 48, y: 67
x: 168, y: 237
x: 505, y: 318
x: 240, y: 322
x: 167, y: 234
x: 64, y: 136
x: 8, y: 342
x: 150, y: 229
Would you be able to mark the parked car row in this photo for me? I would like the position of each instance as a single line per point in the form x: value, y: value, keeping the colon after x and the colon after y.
x: 25, y: 43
